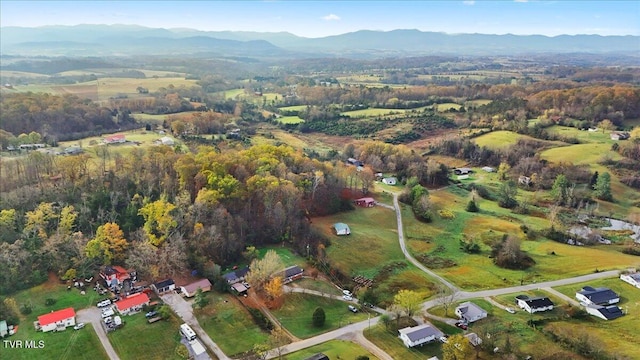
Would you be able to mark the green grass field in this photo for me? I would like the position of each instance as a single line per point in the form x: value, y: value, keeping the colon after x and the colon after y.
x: 334, y: 349
x: 584, y: 136
x: 295, y: 314
x: 138, y: 339
x: 372, y: 112
x: 497, y: 139
x: 448, y: 106
x: 373, y: 229
x: 290, y: 120
x: 288, y: 258
x: 317, y: 285
x: 294, y: 108
x: 625, y: 328
x: 229, y: 324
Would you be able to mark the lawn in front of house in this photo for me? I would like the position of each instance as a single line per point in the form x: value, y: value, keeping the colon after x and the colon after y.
x: 138, y: 339
x: 229, y: 324
x: 625, y: 328
x: 286, y: 255
x: 334, y: 349
x: 69, y: 344
x: 297, y: 311
x: 317, y: 285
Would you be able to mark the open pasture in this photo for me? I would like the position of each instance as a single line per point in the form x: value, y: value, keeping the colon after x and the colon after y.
x: 138, y: 339
x: 293, y: 108
x: 497, y: 139
x: 372, y: 112
x: 447, y: 107
x: 290, y: 120
x: 584, y: 136
x: 296, y: 314
x: 229, y: 324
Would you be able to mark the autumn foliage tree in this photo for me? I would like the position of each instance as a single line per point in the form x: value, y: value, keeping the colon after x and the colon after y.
x: 274, y: 287
x: 408, y: 300
x: 109, y: 245
x: 262, y: 271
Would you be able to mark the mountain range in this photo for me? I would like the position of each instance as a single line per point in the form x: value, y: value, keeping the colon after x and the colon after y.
x: 104, y: 40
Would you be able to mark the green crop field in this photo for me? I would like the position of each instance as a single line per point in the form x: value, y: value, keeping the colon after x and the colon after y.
x: 334, y: 349
x: 229, y: 324
x: 138, y: 339
x: 296, y: 312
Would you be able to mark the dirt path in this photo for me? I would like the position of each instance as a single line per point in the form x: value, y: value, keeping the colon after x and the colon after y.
x: 93, y: 316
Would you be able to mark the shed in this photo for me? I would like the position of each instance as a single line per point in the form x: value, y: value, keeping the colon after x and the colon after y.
x: 365, y: 202
x: 488, y: 169
x: 390, y: 181
x: 318, y: 356
x: 165, y: 140
x: 164, y: 286
x: 239, y: 288
x: 341, y: 229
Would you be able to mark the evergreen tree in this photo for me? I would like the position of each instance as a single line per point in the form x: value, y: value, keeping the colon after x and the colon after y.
x: 319, y: 317
x: 602, y: 188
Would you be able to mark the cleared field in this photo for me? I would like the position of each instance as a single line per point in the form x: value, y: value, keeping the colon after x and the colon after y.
x: 478, y: 102
x: 229, y: 324
x: 626, y: 328
x: 373, y: 228
x: 497, y: 139
x: 296, y: 313
x: 580, y: 154
x: 372, y: 112
x: 138, y: 339
x: 334, y: 349
x: 318, y: 285
x: 448, y: 106
x: 23, y: 74
x: 294, y: 108
x: 288, y: 258
x: 582, y: 135
x: 290, y: 120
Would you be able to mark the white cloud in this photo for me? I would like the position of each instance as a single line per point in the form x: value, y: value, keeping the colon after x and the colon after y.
x: 469, y: 2
x: 331, y: 17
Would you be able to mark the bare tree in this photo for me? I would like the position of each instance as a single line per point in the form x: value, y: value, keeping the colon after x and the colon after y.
x: 446, y: 297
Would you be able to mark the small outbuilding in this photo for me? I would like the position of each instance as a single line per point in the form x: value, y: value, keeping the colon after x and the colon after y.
x: 190, y: 290
x: 488, y: 169
x: 462, y: 171
x: 164, y: 286
x: 365, y: 202
x: 341, y: 229
x: 631, y: 278
x: 390, y: 181
x: 292, y: 273
x: 239, y: 288
x: 318, y: 356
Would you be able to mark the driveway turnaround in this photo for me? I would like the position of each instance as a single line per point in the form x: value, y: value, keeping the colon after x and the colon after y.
x: 93, y: 315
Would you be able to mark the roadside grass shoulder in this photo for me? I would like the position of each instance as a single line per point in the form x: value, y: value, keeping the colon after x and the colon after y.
x: 296, y: 314
x: 229, y: 324
x: 334, y: 349
x: 138, y: 339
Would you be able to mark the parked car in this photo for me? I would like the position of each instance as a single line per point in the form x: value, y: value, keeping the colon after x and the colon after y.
x: 151, y: 314
x: 346, y: 295
x: 510, y: 310
x: 107, y: 312
x: 353, y: 309
x: 108, y: 320
x: 462, y: 325
x: 78, y: 326
x: 443, y: 339
x: 105, y: 302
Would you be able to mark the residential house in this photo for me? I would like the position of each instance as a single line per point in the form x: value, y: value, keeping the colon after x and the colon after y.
x: 418, y: 335
x: 597, y: 296
x: 4, y: 329
x: 474, y: 339
x: 190, y: 290
x: 631, y: 278
x: 115, y: 275
x: 132, y: 304
x: 470, y: 312
x: 365, y: 202
x: 354, y: 162
x: 292, y: 273
x: 115, y: 139
x: 56, y: 320
x: 488, y: 169
x: 164, y: 286
x: 341, y: 229
x: 165, y: 140
x: 236, y: 275
x: 533, y: 305
x: 462, y: 171
x: 390, y: 181
x: 604, y: 312
x: 617, y: 135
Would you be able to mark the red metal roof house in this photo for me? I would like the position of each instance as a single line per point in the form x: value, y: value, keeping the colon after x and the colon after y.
x: 115, y: 139
x: 132, y: 303
x: 56, y: 320
x: 365, y: 202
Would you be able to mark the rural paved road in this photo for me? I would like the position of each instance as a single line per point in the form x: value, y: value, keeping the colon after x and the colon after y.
x: 184, y: 310
x: 93, y: 315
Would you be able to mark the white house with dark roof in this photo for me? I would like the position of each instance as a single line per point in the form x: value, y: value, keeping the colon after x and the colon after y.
x: 604, y: 312
x: 470, y: 312
x: 597, y: 296
x: 632, y: 278
x: 418, y: 335
x: 533, y: 305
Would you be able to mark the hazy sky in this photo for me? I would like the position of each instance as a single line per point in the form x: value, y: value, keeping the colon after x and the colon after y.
x: 322, y: 18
